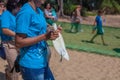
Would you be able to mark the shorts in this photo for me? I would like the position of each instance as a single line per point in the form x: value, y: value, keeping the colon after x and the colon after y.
x: 50, y: 21
x: 100, y: 31
x: 36, y: 74
x: 11, y: 52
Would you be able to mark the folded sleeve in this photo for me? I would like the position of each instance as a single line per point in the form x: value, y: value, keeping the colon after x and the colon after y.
x: 5, y: 20
x: 23, y: 23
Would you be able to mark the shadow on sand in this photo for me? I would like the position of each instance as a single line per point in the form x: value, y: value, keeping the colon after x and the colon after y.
x: 86, y: 41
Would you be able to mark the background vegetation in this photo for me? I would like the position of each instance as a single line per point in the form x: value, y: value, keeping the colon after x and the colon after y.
x: 110, y: 6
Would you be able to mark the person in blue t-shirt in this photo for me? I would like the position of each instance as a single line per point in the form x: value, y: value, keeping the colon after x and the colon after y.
x: 99, y: 27
x: 31, y: 36
x: 8, y: 26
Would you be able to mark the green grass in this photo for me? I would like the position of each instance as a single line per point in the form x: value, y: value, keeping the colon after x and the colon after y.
x: 75, y: 40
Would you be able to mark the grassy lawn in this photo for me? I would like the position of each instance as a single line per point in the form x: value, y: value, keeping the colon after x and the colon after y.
x: 78, y: 41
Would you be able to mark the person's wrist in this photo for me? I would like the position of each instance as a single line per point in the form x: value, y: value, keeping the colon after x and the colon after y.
x: 45, y: 37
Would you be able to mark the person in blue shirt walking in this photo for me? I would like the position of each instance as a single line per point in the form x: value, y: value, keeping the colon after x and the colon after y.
x: 99, y: 27
x: 31, y: 36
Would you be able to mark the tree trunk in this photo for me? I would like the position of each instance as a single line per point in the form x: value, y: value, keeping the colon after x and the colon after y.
x: 61, y: 10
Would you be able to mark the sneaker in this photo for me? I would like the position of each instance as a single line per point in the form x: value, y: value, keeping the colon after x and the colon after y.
x: 81, y: 30
x: 91, y: 41
x: 71, y: 30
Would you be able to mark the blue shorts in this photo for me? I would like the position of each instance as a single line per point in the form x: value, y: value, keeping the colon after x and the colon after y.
x: 37, y: 74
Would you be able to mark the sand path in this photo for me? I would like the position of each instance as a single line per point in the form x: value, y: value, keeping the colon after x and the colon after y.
x: 82, y: 66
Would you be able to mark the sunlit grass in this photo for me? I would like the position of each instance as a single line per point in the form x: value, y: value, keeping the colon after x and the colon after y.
x: 78, y: 41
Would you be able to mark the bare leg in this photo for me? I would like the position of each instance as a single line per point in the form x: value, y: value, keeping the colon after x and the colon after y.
x: 102, y: 38
x: 79, y: 28
x: 71, y: 29
x: 93, y: 37
x: 76, y: 26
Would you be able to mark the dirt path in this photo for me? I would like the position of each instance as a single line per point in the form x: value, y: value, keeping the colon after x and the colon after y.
x: 82, y: 66
x: 110, y: 20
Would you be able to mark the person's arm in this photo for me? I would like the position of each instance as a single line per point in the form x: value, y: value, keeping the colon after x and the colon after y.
x: 94, y: 28
x: 78, y: 13
x: 50, y: 17
x: 96, y: 19
x: 8, y: 32
x: 47, y: 15
x: 94, y: 23
x: 5, y: 24
x: 22, y: 41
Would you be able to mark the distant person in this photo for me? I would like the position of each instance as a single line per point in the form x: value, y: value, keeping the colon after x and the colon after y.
x: 76, y: 20
x: 50, y: 14
x: 99, y: 27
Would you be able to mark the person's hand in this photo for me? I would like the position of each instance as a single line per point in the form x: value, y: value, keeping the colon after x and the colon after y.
x: 59, y: 29
x: 52, y: 35
x: 52, y: 17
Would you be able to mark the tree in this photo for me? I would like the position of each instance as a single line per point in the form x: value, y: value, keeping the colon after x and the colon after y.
x: 61, y: 9
x: 110, y: 6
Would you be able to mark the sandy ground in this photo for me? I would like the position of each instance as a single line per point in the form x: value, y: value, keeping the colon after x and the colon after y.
x: 110, y: 20
x: 82, y: 66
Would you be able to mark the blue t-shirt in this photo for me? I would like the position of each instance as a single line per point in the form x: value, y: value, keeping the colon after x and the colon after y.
x: 8, y: 21
x: 99, y: 24
x: 99, y: 21
x: 32, y: 24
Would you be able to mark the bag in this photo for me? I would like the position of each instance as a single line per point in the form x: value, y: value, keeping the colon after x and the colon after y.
x: 48, y: 53
x: 2, y: 52
x: 16, y: 66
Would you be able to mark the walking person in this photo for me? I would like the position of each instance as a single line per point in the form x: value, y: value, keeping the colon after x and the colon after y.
x: 31, y: 36
x: 99, y: 27
x: 76, y: 20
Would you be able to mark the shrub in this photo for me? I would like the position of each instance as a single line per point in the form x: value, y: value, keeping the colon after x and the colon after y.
x: 84, y: 12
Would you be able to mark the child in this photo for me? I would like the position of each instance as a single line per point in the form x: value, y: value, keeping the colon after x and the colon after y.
x: 76, y: 20
x: 99, y: 27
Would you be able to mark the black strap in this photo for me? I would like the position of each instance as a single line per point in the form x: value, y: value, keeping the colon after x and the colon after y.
x: 16, y: 66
